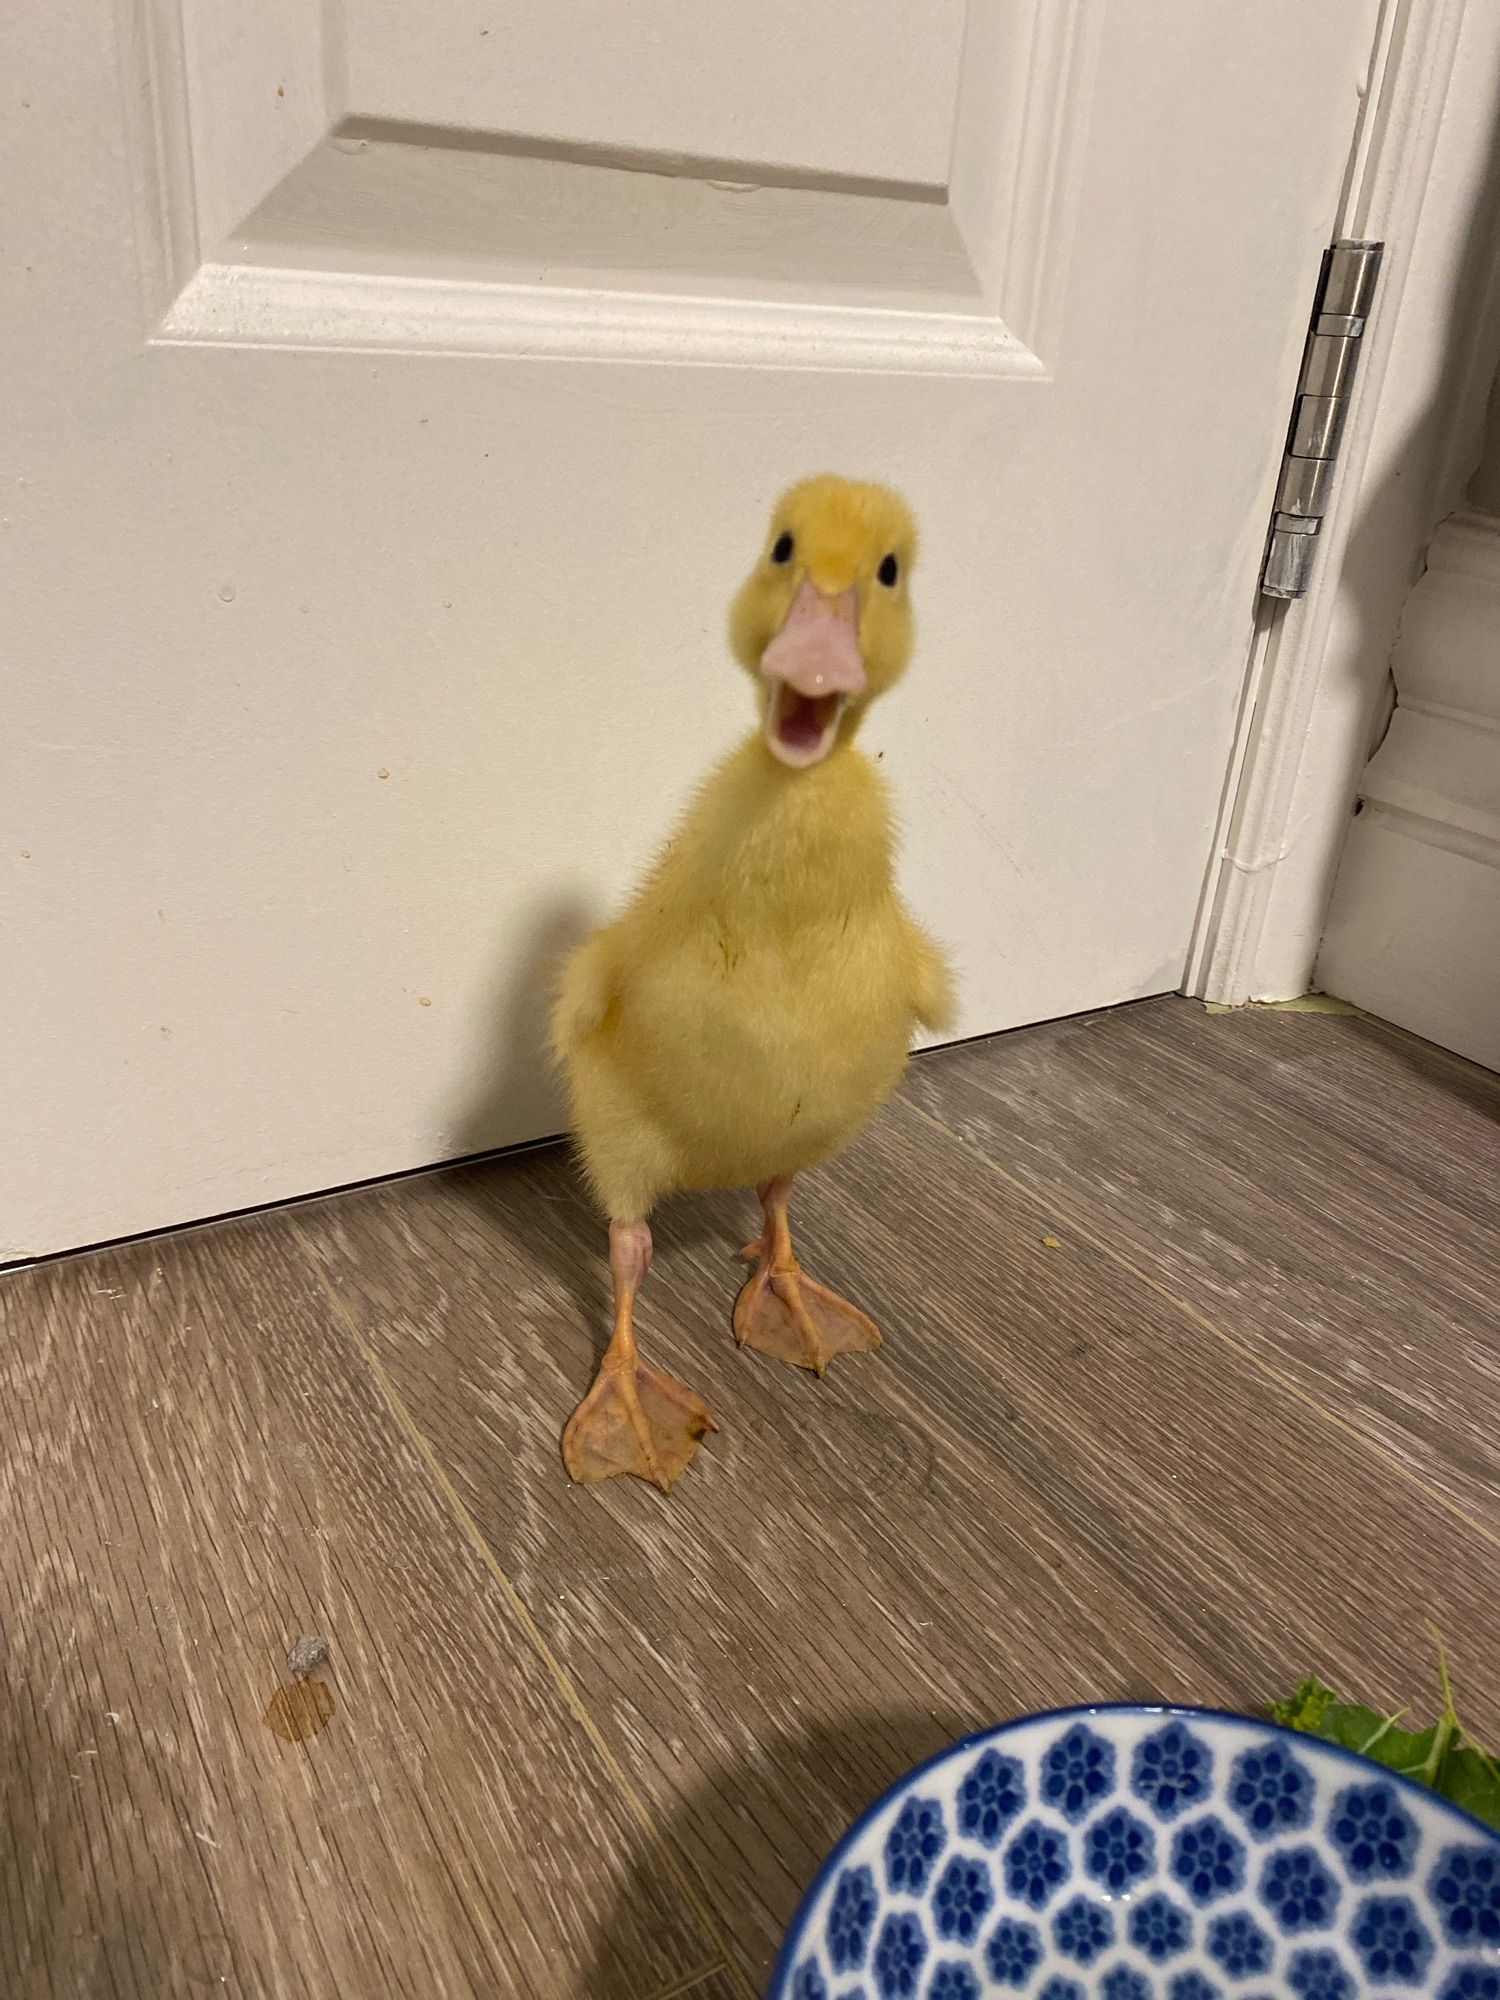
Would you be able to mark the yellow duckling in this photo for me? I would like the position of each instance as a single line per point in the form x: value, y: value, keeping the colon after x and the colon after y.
x: 756, y: 1001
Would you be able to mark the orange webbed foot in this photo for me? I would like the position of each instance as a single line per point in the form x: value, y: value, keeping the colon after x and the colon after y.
x: 794, y: 1319
x: 784, y: 1313
x: 635, y: 1420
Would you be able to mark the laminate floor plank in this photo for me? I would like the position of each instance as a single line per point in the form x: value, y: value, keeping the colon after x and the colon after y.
x: 1051, y: 1485
x: 1189, y: 1388
x: 839, y: 1585
x: 1325, y: 1190
x: 199, y: 1470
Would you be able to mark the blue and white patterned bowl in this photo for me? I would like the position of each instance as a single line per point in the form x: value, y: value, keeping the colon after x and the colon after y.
x: 1129, y: 1853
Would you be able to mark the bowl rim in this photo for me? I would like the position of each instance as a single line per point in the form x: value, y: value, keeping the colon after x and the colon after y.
x: 791, y: 1944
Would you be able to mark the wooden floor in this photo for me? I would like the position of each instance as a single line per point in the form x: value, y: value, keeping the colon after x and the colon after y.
x: 1191, y: 1386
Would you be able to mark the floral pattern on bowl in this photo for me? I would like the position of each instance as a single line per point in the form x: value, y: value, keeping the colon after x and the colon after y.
x: 1129, y: 1853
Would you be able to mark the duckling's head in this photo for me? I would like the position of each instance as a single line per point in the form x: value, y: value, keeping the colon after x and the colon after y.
x: 823, y: 621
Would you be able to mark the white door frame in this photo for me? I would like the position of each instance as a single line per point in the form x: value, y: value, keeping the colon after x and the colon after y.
x: 1423, y: 180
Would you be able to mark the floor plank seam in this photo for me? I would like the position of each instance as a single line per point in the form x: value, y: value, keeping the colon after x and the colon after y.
x: 1268, y: 1369
x: 693, y: 1980
x: 561, y: 1679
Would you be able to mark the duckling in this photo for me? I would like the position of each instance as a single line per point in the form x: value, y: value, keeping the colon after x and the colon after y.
x: 756, y: 1001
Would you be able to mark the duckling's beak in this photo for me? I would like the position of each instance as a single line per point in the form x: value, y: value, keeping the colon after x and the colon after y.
x: 813, y: 665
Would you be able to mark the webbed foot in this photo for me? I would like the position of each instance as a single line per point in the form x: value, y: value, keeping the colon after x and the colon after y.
x: 784, y: 1313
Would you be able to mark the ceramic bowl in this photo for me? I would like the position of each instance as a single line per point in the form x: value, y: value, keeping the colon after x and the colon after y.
x: 1151, y: 1854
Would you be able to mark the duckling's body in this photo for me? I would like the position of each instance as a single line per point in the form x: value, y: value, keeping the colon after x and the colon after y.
x: 755, y: 1002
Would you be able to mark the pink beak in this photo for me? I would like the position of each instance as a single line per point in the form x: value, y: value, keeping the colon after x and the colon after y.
x: 816, y: 652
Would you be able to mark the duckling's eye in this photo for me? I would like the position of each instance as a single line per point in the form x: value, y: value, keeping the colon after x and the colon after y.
x: 888, y: 571
x: 782, y: 551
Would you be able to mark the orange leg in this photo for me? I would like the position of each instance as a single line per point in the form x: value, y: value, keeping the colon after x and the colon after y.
x: 634, y: 1419
x: 782, y: 1311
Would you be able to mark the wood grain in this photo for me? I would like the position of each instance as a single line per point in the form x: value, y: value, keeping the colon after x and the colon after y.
x: 813, y: 1609
x: 594, y: 1744
x: 1326, y: 1190
x: 198, y: 1471
x: 1051, y: 1485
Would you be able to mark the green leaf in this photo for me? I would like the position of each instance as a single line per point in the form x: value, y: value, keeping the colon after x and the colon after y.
x: 1305, y: 1708
x: 1378, y: 1736
x: 1470, y: 1779
x: 1443, y: 1757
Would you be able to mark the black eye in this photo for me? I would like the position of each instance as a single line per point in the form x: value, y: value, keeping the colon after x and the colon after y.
x: 782, y: 551
x: 888, y: 571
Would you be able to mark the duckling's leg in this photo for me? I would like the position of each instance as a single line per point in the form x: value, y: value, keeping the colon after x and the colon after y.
x: 782, y: 1311
x: 634, y: 1419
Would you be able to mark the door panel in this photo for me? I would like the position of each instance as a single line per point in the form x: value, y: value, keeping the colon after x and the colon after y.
x: 389, y: 435
x: 845, y: 87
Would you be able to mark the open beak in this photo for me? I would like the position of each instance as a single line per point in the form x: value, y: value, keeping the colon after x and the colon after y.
x: 813, y: 665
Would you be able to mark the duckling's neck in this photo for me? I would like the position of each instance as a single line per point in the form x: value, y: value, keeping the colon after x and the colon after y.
x: 787, y: 845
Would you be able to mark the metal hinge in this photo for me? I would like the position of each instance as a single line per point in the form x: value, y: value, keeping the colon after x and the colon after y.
x: 1346, y: 286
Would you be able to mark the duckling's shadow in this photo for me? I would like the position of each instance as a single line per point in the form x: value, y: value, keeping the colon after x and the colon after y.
x: 542, y: 1191
x: 751, y: 1836
x: 704, y: 1218
x: 519, y: 1091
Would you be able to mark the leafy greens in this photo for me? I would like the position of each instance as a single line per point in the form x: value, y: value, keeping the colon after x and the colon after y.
x: 1444, y: 1757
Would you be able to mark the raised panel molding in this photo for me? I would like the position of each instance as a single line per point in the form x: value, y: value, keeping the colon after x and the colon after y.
x: 281, y: 214
x: 1414, y: 928
x: 244, y: 305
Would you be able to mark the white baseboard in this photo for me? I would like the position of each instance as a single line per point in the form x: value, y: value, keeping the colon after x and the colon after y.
x: 1413, y: 931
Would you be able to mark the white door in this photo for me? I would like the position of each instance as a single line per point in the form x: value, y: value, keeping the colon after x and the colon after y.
x: 393, y: 398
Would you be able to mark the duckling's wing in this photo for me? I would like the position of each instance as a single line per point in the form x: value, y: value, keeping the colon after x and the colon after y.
x: 584, y: 997
x: 933, y: 1000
